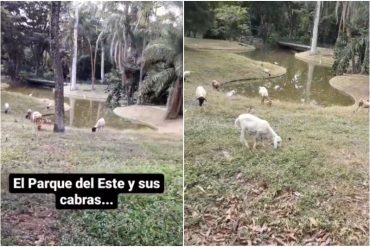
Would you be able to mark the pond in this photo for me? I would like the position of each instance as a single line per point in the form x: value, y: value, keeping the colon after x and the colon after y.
x: 303, y: 82
x: 83, y: 113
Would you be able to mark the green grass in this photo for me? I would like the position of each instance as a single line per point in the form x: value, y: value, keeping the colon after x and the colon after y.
x: 314, y: 190
x: 30, y: 219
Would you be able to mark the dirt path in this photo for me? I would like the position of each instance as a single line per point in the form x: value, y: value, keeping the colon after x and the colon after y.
x: 357, y: 86
x: 151, y: 116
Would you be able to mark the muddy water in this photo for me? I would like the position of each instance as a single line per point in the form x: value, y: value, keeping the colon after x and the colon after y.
x: 303, y: 82
x: 83, y: 113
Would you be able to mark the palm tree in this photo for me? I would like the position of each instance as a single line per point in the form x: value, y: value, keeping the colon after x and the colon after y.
x: 315, y: 29
x: 75, y: 49
x: 352, y: 40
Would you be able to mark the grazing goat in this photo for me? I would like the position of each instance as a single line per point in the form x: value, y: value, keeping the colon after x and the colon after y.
x: 99, y: 125
x: 201, y: 94
x: 362, y: 103
x: 6, y: 108
x: 231, y: 93
x: 216, y: 85
x: 36, y: 117
x: 265, y: 95
x: 258, y: 128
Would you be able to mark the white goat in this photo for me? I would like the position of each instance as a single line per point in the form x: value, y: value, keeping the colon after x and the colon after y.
x: 201, y: 94
x: 265, y: 95
x: 258, y: 128
x: 99, y: 125
x: 6, y: 108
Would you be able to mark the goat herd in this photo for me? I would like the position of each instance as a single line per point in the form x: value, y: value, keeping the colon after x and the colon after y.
x: 39, y: 119
x: 249, y: 124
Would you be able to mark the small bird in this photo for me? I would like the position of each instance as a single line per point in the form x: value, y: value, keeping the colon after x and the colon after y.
x: 6, y: 108
x: 186, y: 74
x: 231, y: 93
x: 267, y: 71
x: 216, y: 85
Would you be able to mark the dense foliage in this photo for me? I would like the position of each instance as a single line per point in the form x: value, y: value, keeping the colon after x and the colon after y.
x: 140, y: 42
x: 344, y: 25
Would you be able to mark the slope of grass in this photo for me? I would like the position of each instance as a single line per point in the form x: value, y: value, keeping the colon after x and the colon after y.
x: 314, y: 190
x: 31, y: 219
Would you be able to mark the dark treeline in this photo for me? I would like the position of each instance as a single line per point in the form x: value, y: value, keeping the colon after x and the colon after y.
x: 343, y: 25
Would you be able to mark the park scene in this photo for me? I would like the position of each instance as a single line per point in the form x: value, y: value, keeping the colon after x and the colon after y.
x: 92, y: 87
x: 276, y: 98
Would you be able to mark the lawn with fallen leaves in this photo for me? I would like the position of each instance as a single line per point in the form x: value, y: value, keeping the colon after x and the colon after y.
x: 311, y: 191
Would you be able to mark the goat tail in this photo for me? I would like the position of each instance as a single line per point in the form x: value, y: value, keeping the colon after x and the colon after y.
x: 237, y: 123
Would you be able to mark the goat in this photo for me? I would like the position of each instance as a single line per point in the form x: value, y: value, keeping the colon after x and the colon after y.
x: 100, y: 124
x: 35, y: 117
x: 201, y: 94
x: 258, y: 128
x: 216, y: 85
x: 6, y: 108
x: 362, y: 103
x: 265, y: 95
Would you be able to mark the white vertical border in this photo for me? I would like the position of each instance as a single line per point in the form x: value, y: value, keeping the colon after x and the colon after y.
x: 183, y: 124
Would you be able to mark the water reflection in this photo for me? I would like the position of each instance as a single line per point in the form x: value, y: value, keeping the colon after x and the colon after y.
x: 82, y: 113
x: 303, y: 82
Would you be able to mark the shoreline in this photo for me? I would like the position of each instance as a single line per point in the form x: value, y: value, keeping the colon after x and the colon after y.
x: 355, y: 85
x: 324, y: 57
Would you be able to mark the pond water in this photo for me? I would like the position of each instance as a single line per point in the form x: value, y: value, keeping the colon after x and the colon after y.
x: 83, y: 113
x: 303, y: 82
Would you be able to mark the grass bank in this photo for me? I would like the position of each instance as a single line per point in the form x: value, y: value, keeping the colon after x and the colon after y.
x: 225, y: 65
x: 314, y: 190
x: 31, y: 219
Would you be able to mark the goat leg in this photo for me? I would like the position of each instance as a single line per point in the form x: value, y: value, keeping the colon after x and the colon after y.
x: 255, y: 143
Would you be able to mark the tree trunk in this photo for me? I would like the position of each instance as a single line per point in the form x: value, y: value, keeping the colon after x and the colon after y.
x: 57, y: 65
x: 102, y: 64
x: 174, y: 108
x: 142, y: 62
x: 366, y: 59
x: 93, y: 62
x: 75, y: 49
x: 315, y: 29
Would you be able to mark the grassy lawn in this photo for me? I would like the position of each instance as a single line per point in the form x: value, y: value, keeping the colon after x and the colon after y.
x: 314, y: 190
x: 225, y: 66
x: 31, y: 219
